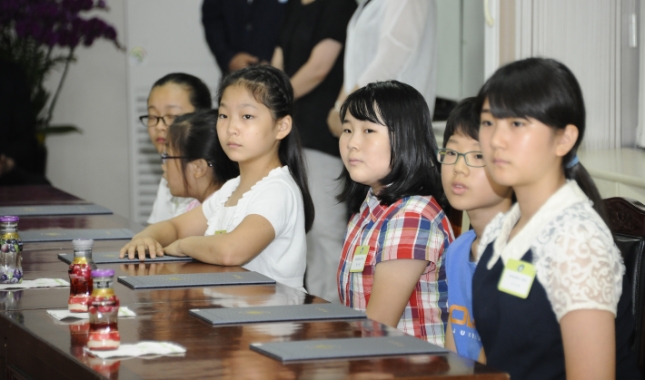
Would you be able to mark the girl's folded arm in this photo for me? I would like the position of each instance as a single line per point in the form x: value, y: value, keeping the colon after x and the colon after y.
x: 235, y: 248
x: 394, y: 281
x: 161, y: 234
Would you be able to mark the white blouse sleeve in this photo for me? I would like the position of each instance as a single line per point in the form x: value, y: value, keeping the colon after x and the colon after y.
x: 580, y: 267
x: 400, y: 35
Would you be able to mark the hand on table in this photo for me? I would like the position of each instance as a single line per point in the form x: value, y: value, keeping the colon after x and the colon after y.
x: 141, y: 245
x: 173, y: 249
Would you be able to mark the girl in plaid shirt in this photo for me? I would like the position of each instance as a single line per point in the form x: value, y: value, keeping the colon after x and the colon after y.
x: 391, y: 263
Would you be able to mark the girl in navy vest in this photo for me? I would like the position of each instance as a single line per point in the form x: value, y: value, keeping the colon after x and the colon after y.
x: 548, y: 292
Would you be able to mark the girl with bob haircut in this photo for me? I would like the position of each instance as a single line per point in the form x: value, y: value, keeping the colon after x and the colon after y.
x: 391, y: 263
x: 549, y: 295
x: 171, y: 96
x: 259, y: 219
x: 194, y: 165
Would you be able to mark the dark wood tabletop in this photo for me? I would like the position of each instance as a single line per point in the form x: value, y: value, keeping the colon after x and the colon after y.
x: 38, y: 346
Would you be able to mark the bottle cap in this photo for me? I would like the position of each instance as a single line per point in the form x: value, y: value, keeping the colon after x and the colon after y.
x: 103, y: 273
x: 9, y: 219
x: 82, y: 244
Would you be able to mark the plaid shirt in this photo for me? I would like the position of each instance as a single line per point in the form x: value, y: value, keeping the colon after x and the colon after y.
x: 414, y: 227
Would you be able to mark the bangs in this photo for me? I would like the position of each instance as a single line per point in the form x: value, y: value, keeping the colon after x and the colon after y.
x: 517, y: 100
x: 362, y: 106
x: 531, y: 89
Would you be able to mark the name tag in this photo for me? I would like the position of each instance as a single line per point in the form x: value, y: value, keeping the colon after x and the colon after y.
x: 517, y: 278
x: 219, y: 232
x: 360, y: 255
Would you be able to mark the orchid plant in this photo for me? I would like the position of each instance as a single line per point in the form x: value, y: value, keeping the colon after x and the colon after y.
x: 43, y: 35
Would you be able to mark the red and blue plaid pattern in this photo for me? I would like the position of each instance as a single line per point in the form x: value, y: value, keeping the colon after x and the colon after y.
x: 414, y: 227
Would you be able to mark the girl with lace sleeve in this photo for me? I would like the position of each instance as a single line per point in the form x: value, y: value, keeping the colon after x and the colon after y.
x: 550, y: 297
x: 257, y: 220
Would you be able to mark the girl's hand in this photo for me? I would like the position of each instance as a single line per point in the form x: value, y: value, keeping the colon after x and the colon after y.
x: 174, y: 250
x: 141, y: 245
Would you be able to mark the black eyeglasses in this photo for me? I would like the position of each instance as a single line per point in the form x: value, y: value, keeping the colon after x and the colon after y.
x: 151, y: 121
x: 166, y: 156
x: 474, y: 159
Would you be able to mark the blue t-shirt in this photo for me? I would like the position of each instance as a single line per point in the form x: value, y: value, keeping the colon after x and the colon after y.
x: 459, y: 273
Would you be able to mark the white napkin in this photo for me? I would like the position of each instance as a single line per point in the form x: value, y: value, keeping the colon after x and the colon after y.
x: 38, y: 283
x: 63, y: 314
x: 141, y: 349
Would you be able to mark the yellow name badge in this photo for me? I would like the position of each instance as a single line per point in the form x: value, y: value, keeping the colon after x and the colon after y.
x: 517, y: 278
x: 360, y: 255
x: 219, y: 232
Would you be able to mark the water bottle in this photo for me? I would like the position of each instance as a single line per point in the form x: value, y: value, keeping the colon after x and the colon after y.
x: 104, y: 311
x: 10, y: 251
x: 80, y: 279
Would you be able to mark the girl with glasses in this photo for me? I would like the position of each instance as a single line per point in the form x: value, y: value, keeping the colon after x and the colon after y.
x: 391, y: 263
x: 194, y: 164
x: 549, y: 293
x: 259, y: 219
x: 171, y: 96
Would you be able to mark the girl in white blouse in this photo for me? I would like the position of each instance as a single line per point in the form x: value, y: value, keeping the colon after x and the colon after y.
x: 549, y: 296
x: 259, y: 219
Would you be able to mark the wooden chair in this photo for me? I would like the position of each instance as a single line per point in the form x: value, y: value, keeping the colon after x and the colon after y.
x: 627, y: 223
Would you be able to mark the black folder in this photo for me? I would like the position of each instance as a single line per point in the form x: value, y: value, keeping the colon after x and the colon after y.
x: 32, y: 236
x: 195, y: 279
x: 113, y: 258
x: 45, y: 210
x: 285, y: 313
x: 325, y: 349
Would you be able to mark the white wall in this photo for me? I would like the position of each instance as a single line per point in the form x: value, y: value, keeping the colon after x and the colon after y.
x: 94, y: 165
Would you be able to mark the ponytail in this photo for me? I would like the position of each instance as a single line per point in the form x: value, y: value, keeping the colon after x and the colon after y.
x: 578, y: 173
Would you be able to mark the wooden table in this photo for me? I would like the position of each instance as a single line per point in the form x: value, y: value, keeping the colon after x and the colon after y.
x: 37, y: 346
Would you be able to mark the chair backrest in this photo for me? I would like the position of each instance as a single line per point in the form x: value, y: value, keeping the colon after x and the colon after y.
x: 627, y: 223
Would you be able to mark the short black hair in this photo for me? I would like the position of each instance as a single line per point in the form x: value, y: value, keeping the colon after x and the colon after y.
x: 413, y: 148
x: 463, y: 119
x: 198, y: 93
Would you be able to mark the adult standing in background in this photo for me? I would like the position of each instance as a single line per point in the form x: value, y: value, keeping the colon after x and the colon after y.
x: 310, y: 52
x: 242, y: 32
x: 390, y: 39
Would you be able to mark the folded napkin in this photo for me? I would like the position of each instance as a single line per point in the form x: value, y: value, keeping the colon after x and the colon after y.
x: 38, y: 283
x: 64, y: 314
x: 141, y: 349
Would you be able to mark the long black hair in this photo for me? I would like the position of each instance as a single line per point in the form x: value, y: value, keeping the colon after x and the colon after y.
x: 194, y: 136
x: 413, y: 148
x: 272, y: 88
x: 198, y: 93
x: 546, y: 90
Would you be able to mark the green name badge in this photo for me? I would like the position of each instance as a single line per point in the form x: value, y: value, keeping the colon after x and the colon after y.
x: 220, y: 232
x: 360, y: 256
x: 517, y: 278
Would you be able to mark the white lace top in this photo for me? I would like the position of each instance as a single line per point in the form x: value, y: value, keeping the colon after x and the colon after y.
x: 574, y: 254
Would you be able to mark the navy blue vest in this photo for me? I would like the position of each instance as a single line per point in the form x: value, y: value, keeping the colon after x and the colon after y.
x: 522, y: 336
